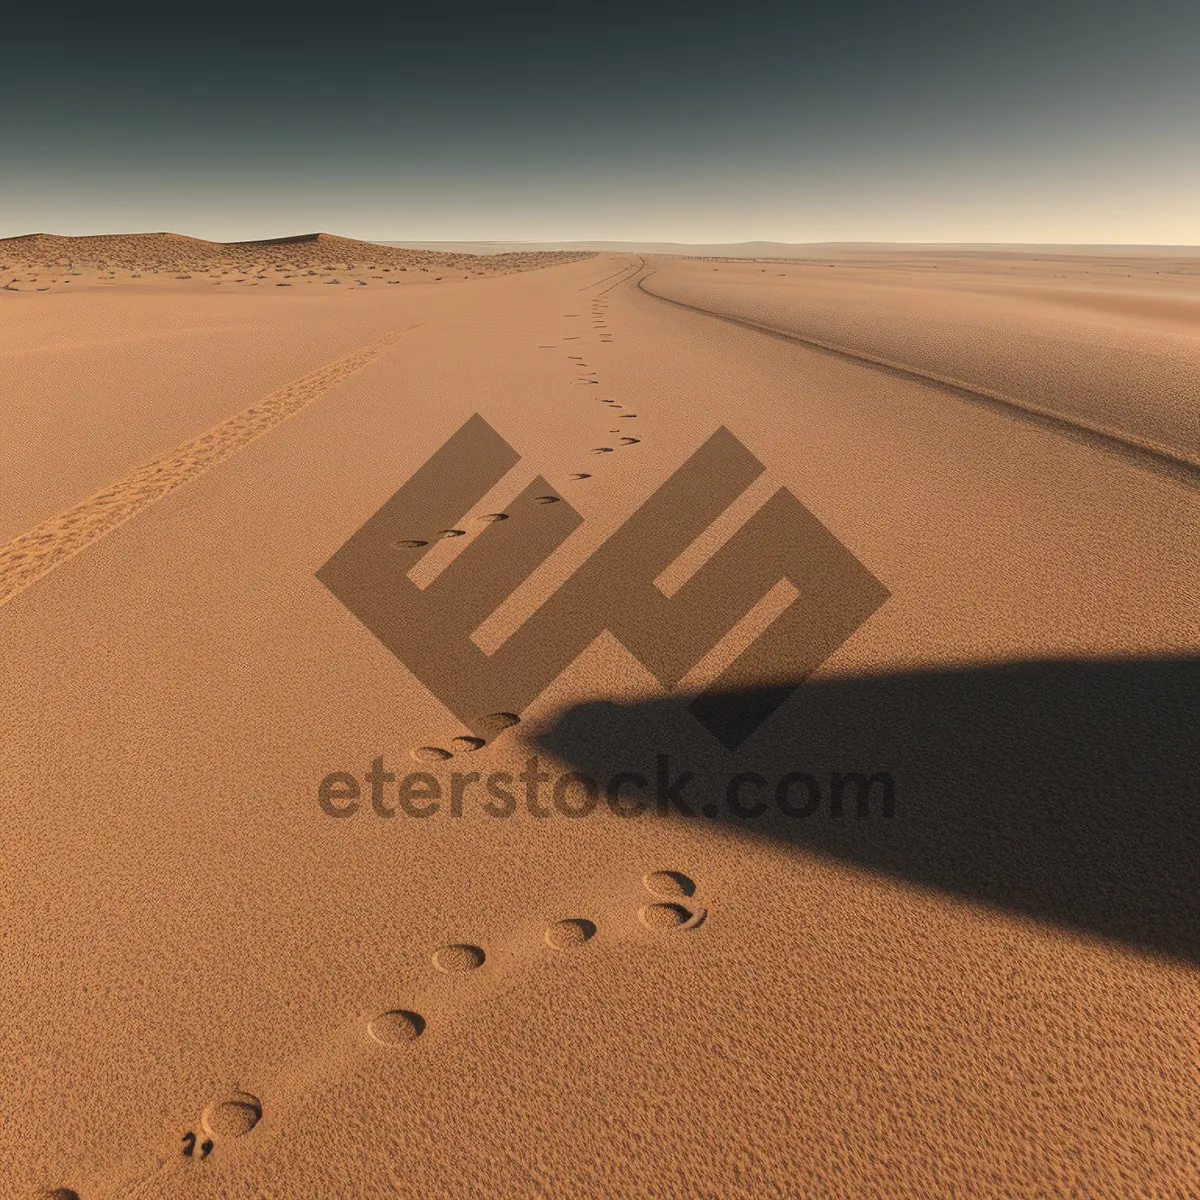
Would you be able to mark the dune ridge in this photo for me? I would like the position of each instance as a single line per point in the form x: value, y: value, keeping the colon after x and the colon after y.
x: 1104, y: 359
x: 176, y: 251
x: 1176, y: 462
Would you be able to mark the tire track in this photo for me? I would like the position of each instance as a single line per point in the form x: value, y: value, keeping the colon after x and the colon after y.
x: 619, y: 271
x: 1155, y: 456
x: 32, y: 555
x: 640, y: 264
x: 598, y: 282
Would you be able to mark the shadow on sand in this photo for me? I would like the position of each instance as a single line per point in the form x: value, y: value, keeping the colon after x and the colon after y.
x: 1068, y: 791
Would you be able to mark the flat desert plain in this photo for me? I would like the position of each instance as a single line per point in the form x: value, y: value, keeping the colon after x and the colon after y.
x: 597, y: 725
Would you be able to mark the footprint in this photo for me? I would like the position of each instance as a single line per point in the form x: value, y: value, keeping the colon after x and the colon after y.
x: 668, y: 883
x: 498, y: 721
x: 408, y: 545
x: 55, y: 1194
x: 663, y: 916
x: 451, y: 533
x: 397, y: 1027
x: 233, y: 1116
x: 628, y: 441
x: 494, y: 517
x: 602, y: 450
x: 626, y: 416
x: 546, y: 499
x: 581, y: 475
x: 566, y: 935
x: 467, y: 745
x: 429, y: 754
x: 458, y: 957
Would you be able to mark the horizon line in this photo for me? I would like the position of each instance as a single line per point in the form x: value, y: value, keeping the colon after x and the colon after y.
x: 640, y: 243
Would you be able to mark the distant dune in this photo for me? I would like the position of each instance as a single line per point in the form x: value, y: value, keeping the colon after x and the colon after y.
x: 174, y: 252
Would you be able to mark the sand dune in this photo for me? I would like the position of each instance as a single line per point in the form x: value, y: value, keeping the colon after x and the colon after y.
x: 1107, y: 351
x: 39, y: 263
x: 240, y: 614
x: 175, y: 252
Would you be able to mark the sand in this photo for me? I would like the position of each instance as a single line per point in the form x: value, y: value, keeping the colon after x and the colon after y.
x: 213, y: 987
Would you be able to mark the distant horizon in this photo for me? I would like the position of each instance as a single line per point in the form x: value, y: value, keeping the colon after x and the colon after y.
x: 865, y: 243
x: 647, y: 244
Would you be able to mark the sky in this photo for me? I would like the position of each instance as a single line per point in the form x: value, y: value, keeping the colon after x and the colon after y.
x: 865, y: 120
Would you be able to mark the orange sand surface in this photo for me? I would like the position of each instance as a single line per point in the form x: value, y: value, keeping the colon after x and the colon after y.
x: 213, y: 988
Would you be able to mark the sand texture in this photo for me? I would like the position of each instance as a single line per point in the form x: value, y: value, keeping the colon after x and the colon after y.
x: 929, y: 517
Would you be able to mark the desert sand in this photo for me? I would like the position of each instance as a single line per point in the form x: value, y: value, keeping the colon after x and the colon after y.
x: 222, y: 979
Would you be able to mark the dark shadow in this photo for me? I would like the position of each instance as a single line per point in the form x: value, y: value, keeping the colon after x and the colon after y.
x: 1067, y: 791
